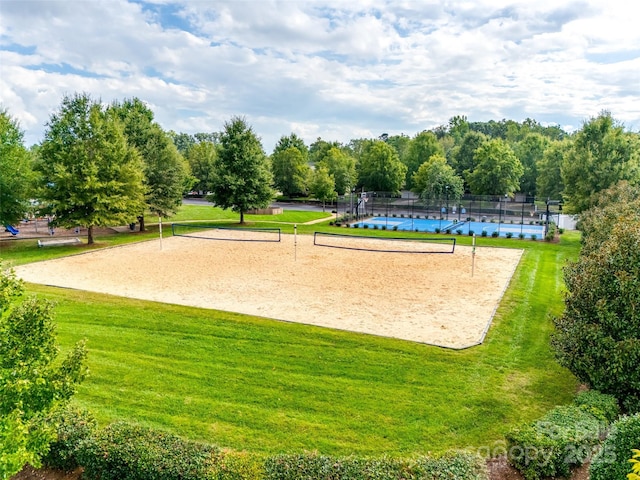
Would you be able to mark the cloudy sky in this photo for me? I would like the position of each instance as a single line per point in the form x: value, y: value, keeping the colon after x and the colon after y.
x: 332, y: 69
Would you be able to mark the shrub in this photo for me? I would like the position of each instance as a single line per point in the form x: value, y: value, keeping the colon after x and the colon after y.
x: 459, y: 231
x: 232, y: 465
x: 635, y: 467
x: 460, y: 466
x: 509, y: 234
x: 122, y: 451
x: 534, y: 237
x: 456, y: 465
x: 549, y: 447
x: 355, y: 225
x: 365, y: 226
x: 602, y: 406
x: 484, y: 233
x: 395, y: 228
x: 375, y: 227
x: 73, y: 425
x: 521, y: 236
x: 494, y: 234
x: 471, y: 233
x: 384, y: 227
x: 437, y: 230
x: 612, y: 461
x: 597, y: 336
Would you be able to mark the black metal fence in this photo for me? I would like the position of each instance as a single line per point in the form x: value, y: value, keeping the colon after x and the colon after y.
x: 502, y: 209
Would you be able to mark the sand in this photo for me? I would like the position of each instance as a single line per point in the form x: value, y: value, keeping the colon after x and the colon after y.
x: 428, y: 298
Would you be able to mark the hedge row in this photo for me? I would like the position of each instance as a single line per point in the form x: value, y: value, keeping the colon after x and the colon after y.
x: 566, y: 437
x: 123, y: 451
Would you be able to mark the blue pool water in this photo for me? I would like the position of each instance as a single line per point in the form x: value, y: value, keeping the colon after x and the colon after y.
x: 430, y: 225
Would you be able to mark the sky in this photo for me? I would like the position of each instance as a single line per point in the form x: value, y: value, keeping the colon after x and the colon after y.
x: 337, y: 70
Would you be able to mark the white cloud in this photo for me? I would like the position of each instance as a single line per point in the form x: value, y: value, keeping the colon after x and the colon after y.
x: 331, y: 69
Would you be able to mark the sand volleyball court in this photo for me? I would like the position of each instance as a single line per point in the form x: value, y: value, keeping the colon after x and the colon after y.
x: 428, y: 298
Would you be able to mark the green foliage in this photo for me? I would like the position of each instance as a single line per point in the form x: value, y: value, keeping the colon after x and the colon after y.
x: 602, y: 406
x: 124, y: 451
x: 460, y: 466
x: 89, y: 174
x: 166, y: 173
x: 598, y: 335
x: 242, y: 178
x: 635, y: 465
x: 612, y: 461
x: 33, y: 383
x: 201, y: 158
x: 620, y: 203
x: 15, y: 171
x: 530, y: 151
x: 291, y: 174
x: 341, y: 166
x: 420, y: 149
x: 602, y: 154
x: 73, y: 426
x: 563, y: 438
x: 380, y: 169
x: 549, y: 179
x: 497, y: 169
x: 435, y: 179
x: 322, y: 185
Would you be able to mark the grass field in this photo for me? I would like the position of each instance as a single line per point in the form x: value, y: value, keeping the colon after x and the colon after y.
x: 254, y: 384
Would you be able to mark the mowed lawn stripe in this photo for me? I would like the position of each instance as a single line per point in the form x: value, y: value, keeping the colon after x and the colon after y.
x: 261, y: 385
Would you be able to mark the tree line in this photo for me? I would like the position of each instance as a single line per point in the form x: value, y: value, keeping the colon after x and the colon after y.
x: 102, y: 165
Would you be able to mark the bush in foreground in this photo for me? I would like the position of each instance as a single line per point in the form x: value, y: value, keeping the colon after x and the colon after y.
x: 612, y: 462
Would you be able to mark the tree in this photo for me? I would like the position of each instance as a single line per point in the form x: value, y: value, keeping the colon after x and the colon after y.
x: 242, y: 179
x: 201, y: 158
x: 616, y: 204
x: 421, y: 148
x: 464, y: 161
x: 497, y: 170
x: 291, y: 173
x: 342, y: 167
x: 323, y: 185
x: 436, y: 179
x: 89, y: 174
x: 602, y: 154
x: 166, y: 173
x: 33, y: 381
x: 15, y: 171
x: 319, y: 148
x: 549, y: 178
x: 530, y: 151
x: 598, y: 336
x: 380, y: 169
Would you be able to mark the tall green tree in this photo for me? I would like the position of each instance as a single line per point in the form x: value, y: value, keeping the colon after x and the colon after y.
x: 323, y: 185
x: 88, y: 173
x: 319, y: 148
x: 16, y: 171
x: 530, y: 151
x: 242, y: 178
x: 602, y: 154
x: 289, y: 164
x: 463, y: 158
x: 436, y: 179
x: 166, y: 173
x: 422, y: 147
x: 34, y: 381
x: 497, y: 171
x: 549, y: 178
x: 380, y: 169
x: 201, y: 158
x: 342, y: 167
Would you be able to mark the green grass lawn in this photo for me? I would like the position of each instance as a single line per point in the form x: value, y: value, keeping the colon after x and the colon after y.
x: 255, y: 384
